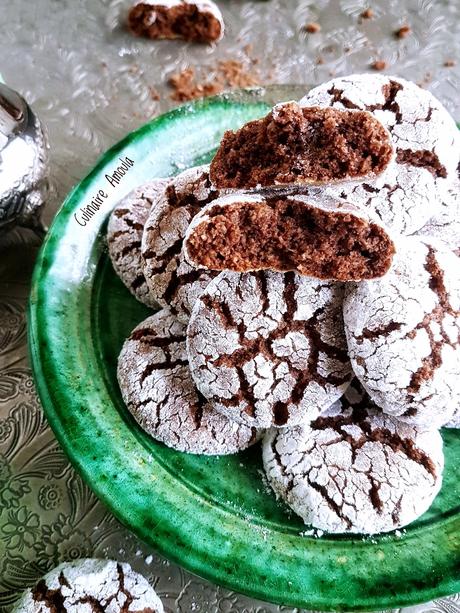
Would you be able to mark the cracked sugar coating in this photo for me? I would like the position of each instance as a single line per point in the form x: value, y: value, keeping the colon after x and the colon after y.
x: 89, y: 585
x: 354, y: 469
x: 158, y: 389
x: 124, y: 236
x: 302, y: 145
x: 403, y: 334
x: 425, y: 137
x: 173, y: 282
x: 199, y: 22
x: 446, y: 225
x: 317, y: 237
x: 269, y: 348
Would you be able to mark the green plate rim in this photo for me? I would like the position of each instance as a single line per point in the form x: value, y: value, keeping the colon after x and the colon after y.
x: 213, y: 563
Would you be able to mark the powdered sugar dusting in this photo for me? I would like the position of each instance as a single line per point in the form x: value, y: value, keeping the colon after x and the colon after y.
x: 158, y: 389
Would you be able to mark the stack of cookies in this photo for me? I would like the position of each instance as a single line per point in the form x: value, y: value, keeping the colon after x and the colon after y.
x: 310, y: 292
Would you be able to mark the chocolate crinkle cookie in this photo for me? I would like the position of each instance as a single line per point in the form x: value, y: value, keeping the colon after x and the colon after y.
x: 269, y: 348
x: 403, y: 334
x: 159, y: 391
x: 89, y: 585
x: 315, y: 236
x: 302, y: 145
x: 174, y: 282
x: 124, y: 236
x: 446, y: 225
x: 425, y: 137
x: 199, y: 21
x: 354, y: 469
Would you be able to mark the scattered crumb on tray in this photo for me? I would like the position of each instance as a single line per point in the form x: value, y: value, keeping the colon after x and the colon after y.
x: 379, y: 65
x: 312, y: 28
x: 449, y: 63
x: 403, y: 31
x: 367, y: 13
x: 226, y: 75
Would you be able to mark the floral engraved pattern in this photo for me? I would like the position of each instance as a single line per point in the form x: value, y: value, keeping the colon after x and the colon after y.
x: 47, y: 514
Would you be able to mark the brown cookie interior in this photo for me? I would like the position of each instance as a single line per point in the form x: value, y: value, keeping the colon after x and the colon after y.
x: 289, y: 235
x: 184, y: 21
x: 302, y: 145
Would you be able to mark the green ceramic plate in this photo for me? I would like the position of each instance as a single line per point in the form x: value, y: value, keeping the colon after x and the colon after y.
x: 214, y: 516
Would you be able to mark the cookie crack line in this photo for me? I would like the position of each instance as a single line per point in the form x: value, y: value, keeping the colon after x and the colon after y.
x: 389, y: 91
x: 434, y: 360
x: 264, y: 346
x: 383, y: 436
x: 422, y: 159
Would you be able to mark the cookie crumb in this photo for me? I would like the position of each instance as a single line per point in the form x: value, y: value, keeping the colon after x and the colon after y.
x: 186, y: 87
x: 379, y: 65
x: 236, y: 75
x: 154, y: 95
x: 367, y: 14
x: 229, y: 73
x: 450, y: 63
x: 403, y: 31
x: 312, y: 27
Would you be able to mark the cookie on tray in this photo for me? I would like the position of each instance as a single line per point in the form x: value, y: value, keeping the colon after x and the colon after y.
x: 268, y: 349
x: 355, y: 469
x: 200, y: 21
x: 295, y: 145
x: 90, y: 585
x: 425, y: 137
x: 124, y: 236
x: 159, y: 391
x: 313, y: 235
x: 173, y: 282
x: 403, y: 334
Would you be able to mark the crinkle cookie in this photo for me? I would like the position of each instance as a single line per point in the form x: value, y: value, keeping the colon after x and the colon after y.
x: 403, y: 334
x: 88, y: 585
x: 124, y: 236
x: 173, y: 282
x: 268, y: 348
x: 159, y: 391
x: 426, y: 139
x: 318, y: 237
x: 200, y: 21
x: 446, y: 225
x: 354, y: 469
x: 313, y: 145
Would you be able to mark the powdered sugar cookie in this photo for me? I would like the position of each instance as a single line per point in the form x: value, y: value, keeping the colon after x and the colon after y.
x: 268, y: 348
x: 172, y: 280
x: 446, y: 225
x: 403, y: 334
x: 159, y: 391
x: 88, y: 585
x: 425, y: 137
x: 311, y: 145
x: 312, y: 235
x: 354, y: 469
x: 124, y: 235
x: 200, y: 21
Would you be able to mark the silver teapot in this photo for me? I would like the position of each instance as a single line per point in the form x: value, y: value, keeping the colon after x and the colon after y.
x: 24, y: 183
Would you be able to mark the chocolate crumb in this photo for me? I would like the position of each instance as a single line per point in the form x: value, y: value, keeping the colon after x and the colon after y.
x: 367, y: 14
x: 403, y: 31
x: 186, y: 87
x: 154, y: 95
x: 312, y: 27
x: 379, y: 65
x: 450, y: 63
x: 228, y: 74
